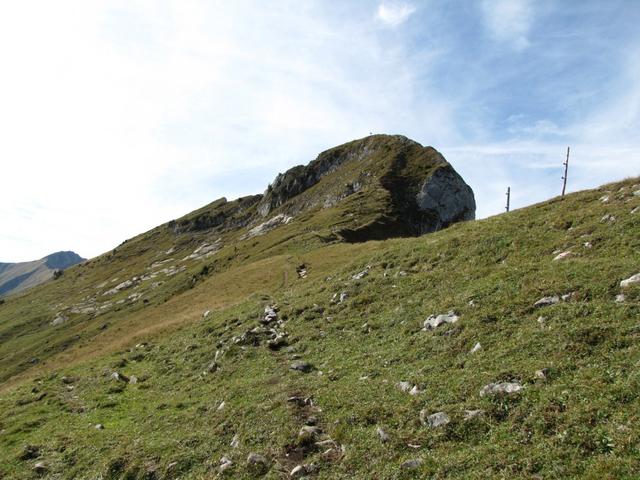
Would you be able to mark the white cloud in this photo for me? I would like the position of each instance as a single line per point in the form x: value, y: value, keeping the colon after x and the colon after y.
x: 508, y: 21
x: 394, y: 13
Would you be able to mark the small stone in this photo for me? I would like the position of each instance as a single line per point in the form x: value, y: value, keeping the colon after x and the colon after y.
x: 435, y: 321
x: 362, y: 274
x: 384, y: 437
x: 59, y: 320
x: 620, y: 298
x: 235, y: 441
x: 343, y: 297
x: 308, y: 434
x: 562, y: 256
x: 542, y: 374
x: 40, y: 468
x: 635, y: 210
x: 437, y: 419
x: 608, y: 218
x: 636, y: 193
x: 415, y: 391
x: 476, y: 348
x: 546, y: 301
x: 120, y: 377
x: 568, y: 296
x: 225, y: 464
x: 471, y: 414
x: 99, y: 426
x: 206, y: 314
x: 604, y: 198
x: 257, y: 463
x: 133, y: 380
x: 541, y: 320
x: 304, y: 367
x: 494, y: 389
x: 634, y: 279
x: 587, y: 245
x: 221, y: 406
x: 412, y: 464
x: 404, y: 386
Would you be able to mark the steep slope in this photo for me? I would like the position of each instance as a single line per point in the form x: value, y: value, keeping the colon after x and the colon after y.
x: 17, y: 277
x: 382, y: 359
x: 377, y: 187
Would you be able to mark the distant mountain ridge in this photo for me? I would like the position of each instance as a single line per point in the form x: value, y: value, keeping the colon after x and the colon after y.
x: 16, y: 277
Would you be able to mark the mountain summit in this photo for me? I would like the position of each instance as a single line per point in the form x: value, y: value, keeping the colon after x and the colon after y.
x: 16, y: 277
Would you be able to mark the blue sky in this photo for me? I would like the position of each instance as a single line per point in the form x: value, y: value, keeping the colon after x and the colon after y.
x: 120, y: 115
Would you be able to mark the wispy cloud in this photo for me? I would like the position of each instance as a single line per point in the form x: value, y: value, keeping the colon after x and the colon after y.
x: 394, y: 13
x: 508, y: 21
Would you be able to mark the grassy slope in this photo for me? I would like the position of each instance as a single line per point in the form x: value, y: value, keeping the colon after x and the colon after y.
x: 581, y: 422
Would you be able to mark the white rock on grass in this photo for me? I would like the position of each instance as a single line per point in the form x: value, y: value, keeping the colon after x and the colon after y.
x: 620, y: 298
x: 476, y: 348
x: 435, y: 321
x: 635, y: 210
x: 225, y: 464
x: 362, y: 274
x: 438, y: 419
x: 411, y: 464
x: 471, y: 414
x: 608, y: 218
x: 546, y: 301
x: 384, y: 437
x: 206, y: 314
x: 415, y: 391
x: 632, y: 280
x: 235, y: 441
x: 563, y: 255
x: 404, y: 386
x: 502, y: 388
x: 257, y: 462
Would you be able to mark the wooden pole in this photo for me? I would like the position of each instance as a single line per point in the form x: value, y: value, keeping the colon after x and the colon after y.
x: 508, y: 198
x: 566, y: 169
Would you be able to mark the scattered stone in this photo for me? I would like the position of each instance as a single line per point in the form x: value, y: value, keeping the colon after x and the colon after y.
x: 404, y: 386
x: 435, y: 321
x: 546, y: 301
x: 604, y: 198
x: 301, y: 270
x: 472, y: 414
x: 280, y: 219
x: 99, y: 426
x: 384, y: 437
x: 636, y: 193
x: 121, y: 286
x: 68, y: 380
x: 213, y: 367
x: 304, y: 367
x: 630, y: 281
x: 435, y: 420
x: 29, y: 452
x: 308, y: 434
x: 235, y: 441
x: 415, y: 391
x: 620, y: 298
x: 562, y: 256
x: 476, y: 348
x: 270, y: 315
x: 587, y: 245
x: 541, y: 320
x: 300, y: 470
x: 257, y: 463
x: 225, y: 464
x: 40, y: 468
x: 635, y: 210
x: 412, y: 464
x: 133, y: 380
x: 120, y: 377
x: 205, y: 250
x: 205, y: 315
x: 343, y: 297
x: 542, y: 374
x: 362, y: 274
x: 502, y: 388
x: 59, y: 320
x: 608, y: 218
x: 568, y: 296
x: 221, y: 406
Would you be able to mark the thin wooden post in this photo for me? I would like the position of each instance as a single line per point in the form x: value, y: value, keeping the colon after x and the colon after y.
x: 566, y: 169
x: 508, y: 198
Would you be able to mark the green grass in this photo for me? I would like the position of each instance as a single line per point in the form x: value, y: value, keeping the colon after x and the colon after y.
x: 579, y: 422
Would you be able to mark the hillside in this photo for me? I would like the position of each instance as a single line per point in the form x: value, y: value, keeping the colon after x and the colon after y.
x: 216, y: 345
x: 17, y: 277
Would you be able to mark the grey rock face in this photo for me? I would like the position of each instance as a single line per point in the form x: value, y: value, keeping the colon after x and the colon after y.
x: 447, y: 198
x: 435, y: 420
x: 630, y: 281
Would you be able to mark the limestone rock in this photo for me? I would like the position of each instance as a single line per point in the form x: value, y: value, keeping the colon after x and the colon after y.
x: 257, y: 463
x: 546, y: 301
x: 435, y: 321
x: 502, y: 388
x: 632, y: 280
x: 436, y: 420
x: 304, y: 367
x: 472, y: 414
x: 411, y: 464
x: 384, y: 437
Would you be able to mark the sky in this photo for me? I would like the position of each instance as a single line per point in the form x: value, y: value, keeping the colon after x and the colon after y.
x: 117, y: 116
